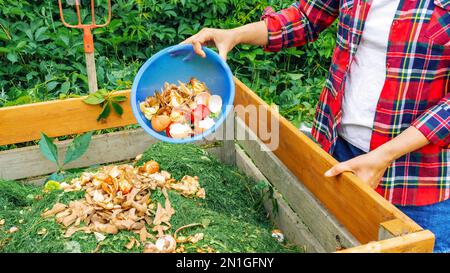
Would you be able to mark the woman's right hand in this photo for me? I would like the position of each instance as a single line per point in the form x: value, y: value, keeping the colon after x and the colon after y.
x: 226, y: 39
x: 223, y: 39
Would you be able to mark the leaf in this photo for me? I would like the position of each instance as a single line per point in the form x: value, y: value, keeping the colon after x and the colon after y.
x: 78, y: 147
x: 65, y: 39
x: 48, y: 148
x: 94, y: 99
x: 105, y: 111
x: 52, y: 184
x: 52, y: 85
x: 117, y: 108
x: 294, y: 76
x: 38, y: 34
x: 21, y: 45
x: 56, y: 176
x: 102, y: 92
x: 119, y: 98
x: 65, y: 87
x: 261, y: 185
x: 12, y: 57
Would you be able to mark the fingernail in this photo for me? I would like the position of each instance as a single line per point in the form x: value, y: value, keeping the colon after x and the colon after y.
x: 328, y: 173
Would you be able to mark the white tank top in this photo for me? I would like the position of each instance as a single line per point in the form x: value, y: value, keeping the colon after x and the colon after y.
x: 367, y: 75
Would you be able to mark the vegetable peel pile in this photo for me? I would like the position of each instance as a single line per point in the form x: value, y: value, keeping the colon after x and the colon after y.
x: 117, y: 198
x: 230, y: 219
x: 182, y: 111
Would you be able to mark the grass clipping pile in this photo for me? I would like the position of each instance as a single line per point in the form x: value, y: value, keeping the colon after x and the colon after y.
x: 118, y: 198
x: 175, y: 199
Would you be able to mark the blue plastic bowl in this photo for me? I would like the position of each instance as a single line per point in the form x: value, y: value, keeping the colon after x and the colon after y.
x: 163, y: 67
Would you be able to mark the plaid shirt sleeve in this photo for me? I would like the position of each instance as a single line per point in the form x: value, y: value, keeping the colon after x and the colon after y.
x: 435, y: 123
x: 300, y: 23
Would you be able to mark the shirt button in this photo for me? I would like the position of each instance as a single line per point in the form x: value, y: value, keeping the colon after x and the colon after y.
x: 388, y: 64
x: 395, y: 23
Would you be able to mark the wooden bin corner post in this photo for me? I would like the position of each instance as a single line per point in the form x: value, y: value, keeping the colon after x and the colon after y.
x: 356, y: 206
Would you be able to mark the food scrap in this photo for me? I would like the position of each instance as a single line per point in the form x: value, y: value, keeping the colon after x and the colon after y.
x: 278, y: 235
x: 117, y: 198
x: 182, y: 111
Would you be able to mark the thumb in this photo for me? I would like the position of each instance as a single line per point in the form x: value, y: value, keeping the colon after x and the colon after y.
x: 223, y: 52
x: 338, y: 169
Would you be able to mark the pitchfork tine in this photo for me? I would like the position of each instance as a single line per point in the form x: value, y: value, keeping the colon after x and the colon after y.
x: 77, y: 6
x: 88, y: 39
x: 62, y: 16
x: 92, y: 12
x: 109, y: 16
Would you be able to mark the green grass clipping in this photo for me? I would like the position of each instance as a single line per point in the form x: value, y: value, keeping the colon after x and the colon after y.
x: 232, y: 215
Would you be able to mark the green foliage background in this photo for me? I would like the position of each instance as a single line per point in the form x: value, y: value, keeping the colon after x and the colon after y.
x: 40, y: 59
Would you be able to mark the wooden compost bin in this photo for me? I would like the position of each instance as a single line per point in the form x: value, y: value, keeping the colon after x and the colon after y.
x: 319, y: 214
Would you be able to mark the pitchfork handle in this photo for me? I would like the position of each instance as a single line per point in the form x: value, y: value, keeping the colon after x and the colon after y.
x: 92, y: 75
x: 90, y: 60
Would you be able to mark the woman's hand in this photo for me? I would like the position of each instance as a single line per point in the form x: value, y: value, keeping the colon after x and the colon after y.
x: 368, y: 167
x: 226, y: 39
x: 223, y: 39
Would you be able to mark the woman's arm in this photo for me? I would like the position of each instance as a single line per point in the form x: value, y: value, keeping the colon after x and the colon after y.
x: 226, y: 39
x: 294, y: 26
x: 370, y: 167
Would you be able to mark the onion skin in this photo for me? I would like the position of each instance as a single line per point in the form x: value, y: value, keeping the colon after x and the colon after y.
x: 160, y: 123
x: 151, y: 167
x: 202, y: 98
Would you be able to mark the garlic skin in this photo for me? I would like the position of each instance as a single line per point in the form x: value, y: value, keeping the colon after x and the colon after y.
x: 204, y: 125
x: 278, y: 235
x: 166, y: 244
x: 97, y: 196
x: 178, y: 130
x: 215, y: 104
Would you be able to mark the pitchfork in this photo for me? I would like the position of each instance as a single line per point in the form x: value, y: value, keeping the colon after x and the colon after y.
x: 88, y: 39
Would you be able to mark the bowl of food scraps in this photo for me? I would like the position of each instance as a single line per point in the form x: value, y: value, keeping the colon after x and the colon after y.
x: 180, y: 97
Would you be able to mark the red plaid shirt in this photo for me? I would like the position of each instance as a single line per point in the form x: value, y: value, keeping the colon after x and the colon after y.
x: 415, y: 93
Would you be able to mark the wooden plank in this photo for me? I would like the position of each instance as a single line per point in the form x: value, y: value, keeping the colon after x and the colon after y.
x: 226, y: 132
x: 285, y: 219
x: 417, y: 242
x: 393, y: 228
x: 358, y: 207
x: 57, y: 118
x: 331, y: 234
x: 113, y: 147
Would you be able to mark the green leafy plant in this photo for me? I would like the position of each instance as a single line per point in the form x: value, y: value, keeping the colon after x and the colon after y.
x: 43, y: 60
x: 106, y: 100
x: 75, y: 150
x: 266, y: 193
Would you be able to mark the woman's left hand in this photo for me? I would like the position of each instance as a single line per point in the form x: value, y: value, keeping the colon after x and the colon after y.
x: 369, y: 167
